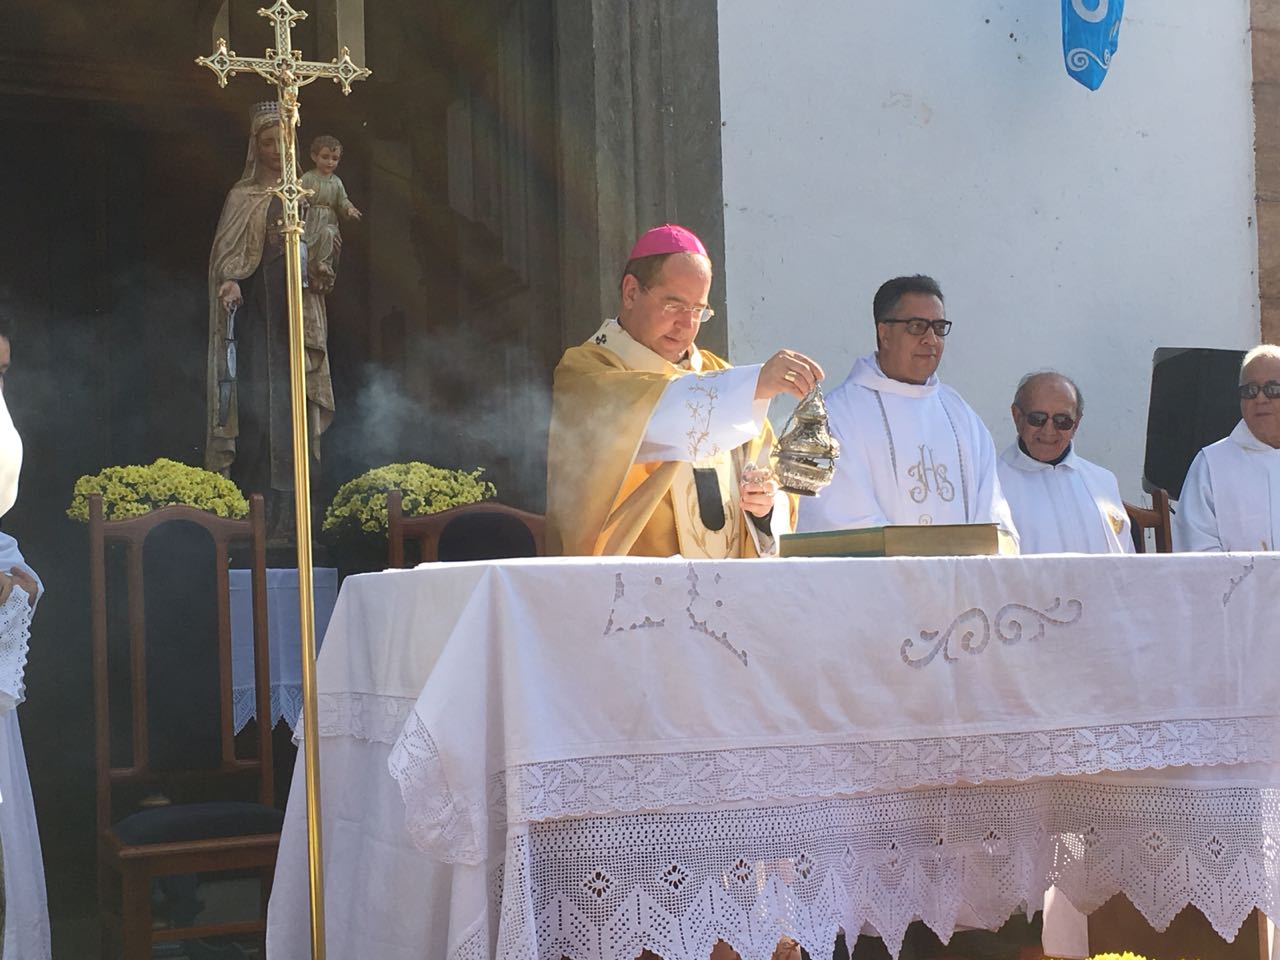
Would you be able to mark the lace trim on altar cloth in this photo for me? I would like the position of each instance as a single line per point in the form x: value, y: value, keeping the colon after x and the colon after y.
x: 628, y: 784
x: 452, y: 830
x: 15, y: 638
x: 375, y: 717
x: 674, y: 883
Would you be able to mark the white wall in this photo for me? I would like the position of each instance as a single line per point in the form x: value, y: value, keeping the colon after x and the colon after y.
x: 1069, y: 229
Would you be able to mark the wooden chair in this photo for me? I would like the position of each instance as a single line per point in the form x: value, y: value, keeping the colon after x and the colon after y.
x: 1155, y: 517
x: 477, y: 531
x: 176, y: 832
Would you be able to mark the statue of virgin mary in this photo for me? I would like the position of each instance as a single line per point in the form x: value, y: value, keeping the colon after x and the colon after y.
x: 249, y: 434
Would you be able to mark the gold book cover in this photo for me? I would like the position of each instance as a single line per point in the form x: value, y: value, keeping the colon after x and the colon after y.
x: 934, y: 540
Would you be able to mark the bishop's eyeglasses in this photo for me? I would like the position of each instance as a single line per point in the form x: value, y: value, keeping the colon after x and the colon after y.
x: 1250, y: 390
x: 675, y: 309
x: 918, y: 326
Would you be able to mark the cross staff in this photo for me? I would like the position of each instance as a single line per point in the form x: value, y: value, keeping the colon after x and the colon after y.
x: 284, y: 68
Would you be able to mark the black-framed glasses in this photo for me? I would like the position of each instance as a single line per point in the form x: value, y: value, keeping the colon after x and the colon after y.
x: 701, y: 314
x: 918, y: 326
x: 1270, y: 390
x: 1038, y: 418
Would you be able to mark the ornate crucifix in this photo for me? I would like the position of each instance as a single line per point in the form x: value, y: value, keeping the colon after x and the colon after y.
x: 284, y: 68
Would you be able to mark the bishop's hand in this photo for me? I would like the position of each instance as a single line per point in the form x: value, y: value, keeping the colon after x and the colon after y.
x: 756, y: 490
x: 788, y: 372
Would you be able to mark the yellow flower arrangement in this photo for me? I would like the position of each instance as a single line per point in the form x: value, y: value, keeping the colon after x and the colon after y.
x: 360, y: 505
x: 132, y: 491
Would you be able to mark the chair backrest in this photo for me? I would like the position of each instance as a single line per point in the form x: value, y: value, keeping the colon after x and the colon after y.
x: 119, y: 672
x: 1155, y: 518
x: 477, y: 531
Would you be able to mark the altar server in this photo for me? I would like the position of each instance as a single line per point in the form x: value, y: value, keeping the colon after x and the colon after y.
x: 912, y: 451
x: 1231, y: 497
x: 656, y: 446
x: 1061, y: 503
x: 24, y: 912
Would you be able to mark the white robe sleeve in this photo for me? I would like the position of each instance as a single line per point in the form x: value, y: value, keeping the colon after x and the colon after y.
x: 698, y: 413
x: 15, y: 628
x: 990, y: 505
x: 1195, y: 521
x: 779, y: 523
x: 849, y: 501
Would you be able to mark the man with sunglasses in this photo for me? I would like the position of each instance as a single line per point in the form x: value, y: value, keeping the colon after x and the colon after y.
x: 656, y: 447
x: 912, y: 451
x: 1060, y: 501
x: 1231, y: 497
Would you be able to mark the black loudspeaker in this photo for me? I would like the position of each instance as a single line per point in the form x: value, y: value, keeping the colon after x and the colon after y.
x: 1193, y: 403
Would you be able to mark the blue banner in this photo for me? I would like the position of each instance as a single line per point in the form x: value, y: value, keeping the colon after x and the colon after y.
x: 1090, y: 34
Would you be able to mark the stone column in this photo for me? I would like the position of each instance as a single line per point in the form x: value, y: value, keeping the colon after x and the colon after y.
x: 638, y: 88
x: 1265, y: 36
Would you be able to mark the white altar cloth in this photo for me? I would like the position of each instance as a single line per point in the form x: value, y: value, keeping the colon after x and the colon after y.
x: 284, y: 634
x: 619, y: 753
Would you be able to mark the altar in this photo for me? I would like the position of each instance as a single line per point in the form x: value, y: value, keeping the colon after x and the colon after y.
x: 589, y: 757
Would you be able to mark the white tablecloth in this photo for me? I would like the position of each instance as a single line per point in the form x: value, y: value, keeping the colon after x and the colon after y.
x: 284, y: 634
x: 628, y: 753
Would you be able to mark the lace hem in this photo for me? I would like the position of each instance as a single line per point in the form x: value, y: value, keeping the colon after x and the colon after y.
x: 15, y: 638
x: 286, y: 704
x: 375, y: 717
x: 627, y: 784
x: 606, y: 888
x: 630, y: 784
x: 451, y: 831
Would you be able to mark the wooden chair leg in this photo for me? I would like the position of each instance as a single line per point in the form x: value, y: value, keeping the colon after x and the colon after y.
x: 106, y: 886
x: 136, y: 913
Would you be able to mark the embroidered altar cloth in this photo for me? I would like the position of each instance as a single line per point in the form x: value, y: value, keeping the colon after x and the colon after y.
x: 580, y: 703
x: 615, y: 754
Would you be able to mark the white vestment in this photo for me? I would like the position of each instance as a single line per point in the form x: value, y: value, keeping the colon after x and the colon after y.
x: 26, y: 920
x: 1231, y: 497
x: 909, y: 454
x: 26, y: 913
x: 10, y: 458
x: 1071, y: 507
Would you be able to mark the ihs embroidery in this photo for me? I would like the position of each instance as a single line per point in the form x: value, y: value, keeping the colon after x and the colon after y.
x: 927, y: 467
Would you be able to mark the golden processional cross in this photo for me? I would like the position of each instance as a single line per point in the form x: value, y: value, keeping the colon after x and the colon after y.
x: 284, y: 68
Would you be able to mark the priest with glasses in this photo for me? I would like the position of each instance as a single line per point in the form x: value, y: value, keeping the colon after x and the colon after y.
x: 1231, y: 497
x: 1061, y: 502
x: 912, y: 451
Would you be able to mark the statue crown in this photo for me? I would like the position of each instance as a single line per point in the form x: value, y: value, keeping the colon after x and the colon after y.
x: 265, y: 108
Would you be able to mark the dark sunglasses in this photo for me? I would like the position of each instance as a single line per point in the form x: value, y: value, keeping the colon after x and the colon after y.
x: 1038, y: 418
x: 1270, y: 390
x: 918, y: 326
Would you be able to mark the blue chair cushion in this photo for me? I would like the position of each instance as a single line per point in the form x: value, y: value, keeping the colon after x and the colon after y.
x: 198, y: 821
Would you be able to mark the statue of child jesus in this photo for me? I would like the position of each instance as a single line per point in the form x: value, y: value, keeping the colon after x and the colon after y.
x: 324, y: 206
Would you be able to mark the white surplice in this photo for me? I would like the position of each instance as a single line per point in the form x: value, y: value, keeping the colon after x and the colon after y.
x: 1070, y: 507
x: 26, y: 922
x: 909, y: 454
x: 1231, y: 497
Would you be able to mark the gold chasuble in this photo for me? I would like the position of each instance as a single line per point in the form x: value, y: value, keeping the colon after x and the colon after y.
x: 599, y: 500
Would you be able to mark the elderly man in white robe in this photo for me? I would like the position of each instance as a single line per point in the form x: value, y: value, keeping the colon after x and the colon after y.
x: 24, y: 913
x: 912, y: 450
x: 1231, y: 497
x: 1061, y: 503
